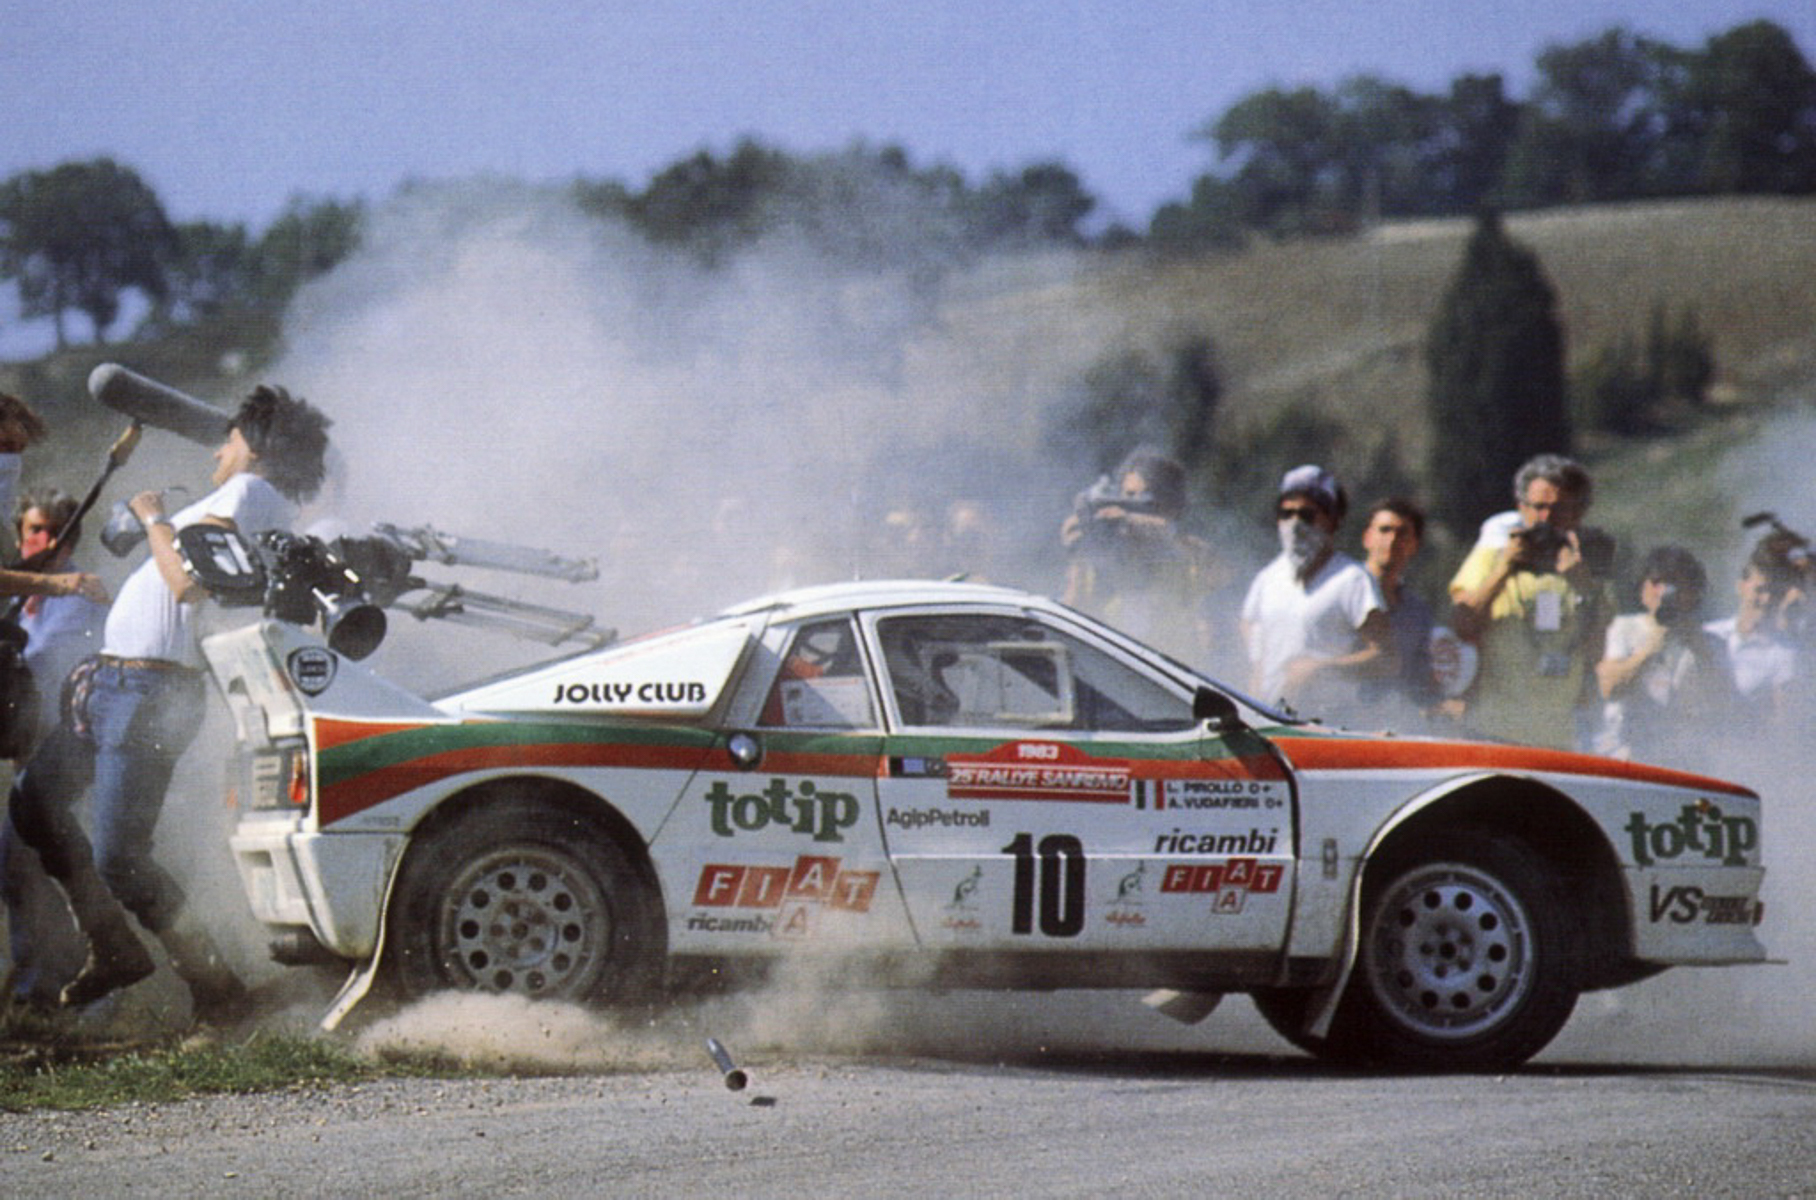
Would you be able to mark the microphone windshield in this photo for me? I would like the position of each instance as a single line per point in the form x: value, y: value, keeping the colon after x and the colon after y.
x: 157, y: 405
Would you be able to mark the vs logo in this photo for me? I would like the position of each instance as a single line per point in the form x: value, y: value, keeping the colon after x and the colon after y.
x: 1683, y: 905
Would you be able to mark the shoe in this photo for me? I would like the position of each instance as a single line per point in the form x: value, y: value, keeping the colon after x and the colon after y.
x: 116, y: 959
x: 216, y: 995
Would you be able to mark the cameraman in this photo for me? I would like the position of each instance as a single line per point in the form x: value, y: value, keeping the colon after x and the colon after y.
x: 139, y: 708
x: 1130, y: 562
x: 1534, y: 609
x: 1660, y: 672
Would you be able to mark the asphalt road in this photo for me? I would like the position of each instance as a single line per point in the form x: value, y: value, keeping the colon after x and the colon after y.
x: 1126, y: 1124
x: 980, y: 1107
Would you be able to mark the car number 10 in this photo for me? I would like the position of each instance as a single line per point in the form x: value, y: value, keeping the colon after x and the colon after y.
x: 1060, y: 866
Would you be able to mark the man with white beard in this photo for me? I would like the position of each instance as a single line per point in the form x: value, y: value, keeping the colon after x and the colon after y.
x: 1314, y: 623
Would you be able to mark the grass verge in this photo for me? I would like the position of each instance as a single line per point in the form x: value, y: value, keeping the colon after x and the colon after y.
x: 96, y: 1075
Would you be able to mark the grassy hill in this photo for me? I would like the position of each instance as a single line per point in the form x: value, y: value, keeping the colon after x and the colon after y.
x: 1318, y: 345
x: 1329, y: 335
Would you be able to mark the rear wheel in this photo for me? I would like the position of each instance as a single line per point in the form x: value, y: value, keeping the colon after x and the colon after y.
x: 520, y: 897
x: 1467, y: 961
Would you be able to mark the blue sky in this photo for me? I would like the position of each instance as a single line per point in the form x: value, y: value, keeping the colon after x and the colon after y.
x: 229, y: 107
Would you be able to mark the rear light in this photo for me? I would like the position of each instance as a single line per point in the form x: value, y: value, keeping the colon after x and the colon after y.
x: 277, y: 777
x: 299, y: 780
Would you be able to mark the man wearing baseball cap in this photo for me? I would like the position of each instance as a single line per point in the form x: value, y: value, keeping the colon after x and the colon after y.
x: 1314, y: 623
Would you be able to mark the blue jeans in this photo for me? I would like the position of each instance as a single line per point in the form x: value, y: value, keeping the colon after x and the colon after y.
x: 140, y: 720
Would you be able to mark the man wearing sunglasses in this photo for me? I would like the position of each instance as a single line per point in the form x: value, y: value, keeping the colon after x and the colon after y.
x: 1313, y: 623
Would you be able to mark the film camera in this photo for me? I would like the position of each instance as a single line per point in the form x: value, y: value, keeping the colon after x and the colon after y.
x: 1540, y: 545
x: 1781, y: 543
x: 294, y: 577
x: 1097, y: 532
x: 347, y: 584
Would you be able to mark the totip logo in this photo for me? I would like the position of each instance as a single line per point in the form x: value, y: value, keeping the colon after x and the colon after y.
x: 1699, y: 829
x: 312, y: 669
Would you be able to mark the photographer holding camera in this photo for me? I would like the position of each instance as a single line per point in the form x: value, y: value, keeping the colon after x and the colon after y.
x: 1660, y: 672
x: 137, y: 706
x: 1130, y: 562
x: 1533, y: 603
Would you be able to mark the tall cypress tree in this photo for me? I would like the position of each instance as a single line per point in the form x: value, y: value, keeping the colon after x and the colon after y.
x: 1495, y: 355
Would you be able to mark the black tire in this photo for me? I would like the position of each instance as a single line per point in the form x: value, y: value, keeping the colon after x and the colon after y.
x: 520, y: 896
x: 1469, y: 960
x: 1286, y: 1011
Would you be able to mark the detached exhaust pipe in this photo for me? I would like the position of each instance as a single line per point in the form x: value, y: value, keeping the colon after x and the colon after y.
x: 735, y: 1077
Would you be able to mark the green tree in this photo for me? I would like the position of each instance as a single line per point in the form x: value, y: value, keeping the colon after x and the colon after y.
x: 82, y: 235
x: 1477, y: 124
x: 1680, y: 356
x: 1751, y: 95
x: 1495, y: 355
x: 1210, y: 220
x: 1285, y: 147
x: 1386, y: 146
x: 211, y: 268
x: 1038, y: 205
x: 1613, y: 391
x: 1591, y: 129
x: 309, y: 238
x: 708, y: 204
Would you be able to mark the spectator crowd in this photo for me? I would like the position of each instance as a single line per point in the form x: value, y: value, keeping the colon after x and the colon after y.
x: 1536, y: 641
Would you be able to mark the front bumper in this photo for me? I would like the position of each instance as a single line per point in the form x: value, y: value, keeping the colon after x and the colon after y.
x: 1697, y: 916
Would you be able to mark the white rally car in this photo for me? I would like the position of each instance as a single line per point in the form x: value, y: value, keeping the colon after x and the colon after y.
x: 964, y: 786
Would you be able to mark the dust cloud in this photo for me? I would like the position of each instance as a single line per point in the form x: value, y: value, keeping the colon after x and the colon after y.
x: 501, y: 365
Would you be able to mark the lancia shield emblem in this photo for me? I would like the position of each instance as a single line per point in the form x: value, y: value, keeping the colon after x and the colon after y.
x: 312, y: 669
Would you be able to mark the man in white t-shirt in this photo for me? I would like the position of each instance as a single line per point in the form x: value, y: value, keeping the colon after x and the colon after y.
x: 142, y: 704
x: 1314, y: 622
x: 1761, y: 662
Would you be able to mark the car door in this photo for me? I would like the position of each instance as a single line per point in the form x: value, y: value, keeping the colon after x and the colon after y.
x: 1045, y: 788
x: 782, y: 845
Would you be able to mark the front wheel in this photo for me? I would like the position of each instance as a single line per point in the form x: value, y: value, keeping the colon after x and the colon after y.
x: 1468, y: 960
x: 525, y: 898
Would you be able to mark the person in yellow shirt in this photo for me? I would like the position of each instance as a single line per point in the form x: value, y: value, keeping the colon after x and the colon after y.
x: 1528, y: 600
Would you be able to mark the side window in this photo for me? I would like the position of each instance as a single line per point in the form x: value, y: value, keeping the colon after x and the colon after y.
x: 821, y: 684
x: 1000, y: 671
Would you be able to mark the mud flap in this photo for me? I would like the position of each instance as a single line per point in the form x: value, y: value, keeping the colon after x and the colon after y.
x: 1323, y: 1008
x: 359, y: 983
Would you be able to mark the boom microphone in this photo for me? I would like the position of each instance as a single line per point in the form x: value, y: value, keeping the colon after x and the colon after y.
x: 158, y: 405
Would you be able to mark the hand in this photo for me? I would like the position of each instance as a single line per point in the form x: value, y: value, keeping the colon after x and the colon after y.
x: 147, y: 506
x: 81, y: 583
x: 1299, y: 673
x: 1570, y: 557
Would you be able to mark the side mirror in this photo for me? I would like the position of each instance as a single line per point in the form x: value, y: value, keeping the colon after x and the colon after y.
x: 1211, y: 707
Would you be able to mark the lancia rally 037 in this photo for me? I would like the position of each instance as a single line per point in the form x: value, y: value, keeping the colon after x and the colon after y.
x: 965, y: 786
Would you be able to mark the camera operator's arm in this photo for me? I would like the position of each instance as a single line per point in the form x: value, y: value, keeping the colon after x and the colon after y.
x: 64, y: 583
x: 1618, y: 667
x: 1473, y: 597
x: 161, y: 536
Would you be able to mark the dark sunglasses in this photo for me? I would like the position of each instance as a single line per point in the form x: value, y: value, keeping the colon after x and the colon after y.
x: 1298, y: 512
